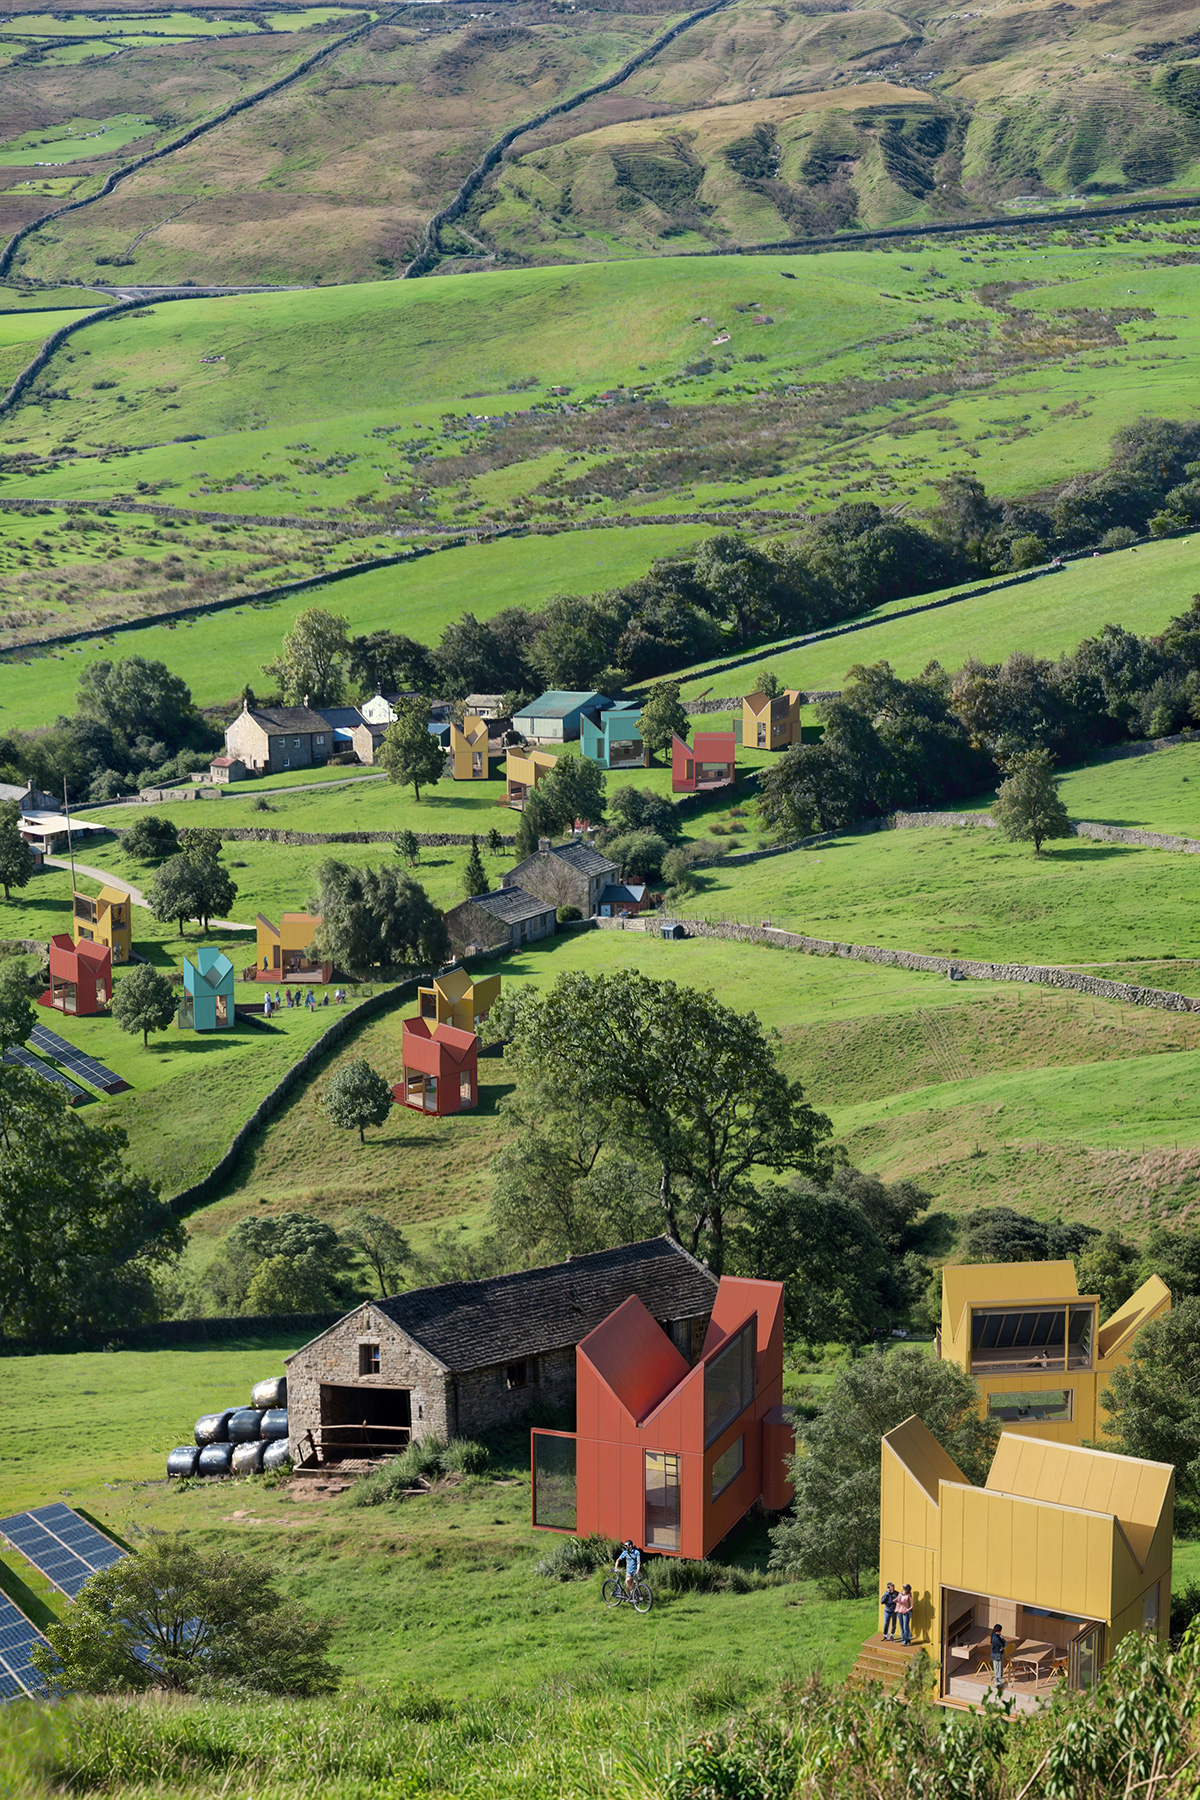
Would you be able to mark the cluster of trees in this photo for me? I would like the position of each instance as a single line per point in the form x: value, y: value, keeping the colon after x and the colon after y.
x: 299, y: 1263
x: 194, y: 883
x: 134, y: 725
x: 375, y: 919
x: 892, y: 743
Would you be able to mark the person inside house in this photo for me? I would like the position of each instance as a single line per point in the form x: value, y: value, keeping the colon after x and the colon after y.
x: 631, y: 1556
x: 999, y: 1645
x: 904, y: 1606
x: 887, y: 1600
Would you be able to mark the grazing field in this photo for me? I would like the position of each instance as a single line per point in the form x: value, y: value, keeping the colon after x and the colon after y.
x: 1160, y: 792
x: 1140, y: 589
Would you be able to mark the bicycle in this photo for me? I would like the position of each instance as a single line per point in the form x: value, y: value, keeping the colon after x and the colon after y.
x: 615, y: 1593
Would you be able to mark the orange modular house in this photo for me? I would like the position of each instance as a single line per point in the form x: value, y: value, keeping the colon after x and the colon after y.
x: 668, y: 1454
x: 456, y: 999
x: 281, y: 952
x: 441, y: 1068
x: 469, y: 749
x: 105, y: 920
x: 771, y: 722
x: 523, y: 771
x: 706, y: 763
x: 80, y: 976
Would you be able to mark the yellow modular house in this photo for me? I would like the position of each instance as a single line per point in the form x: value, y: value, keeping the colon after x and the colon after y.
x: 456, y: 999
x: 1034, y: 1343
x: 469, y: 749
x: 771, y: 723
x: 1067, y: 1550
x: 281, y: 951
x: 524, y: 771
x: 105, y: 920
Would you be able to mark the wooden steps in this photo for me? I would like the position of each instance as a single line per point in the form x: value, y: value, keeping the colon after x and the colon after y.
x: 884, y: 1661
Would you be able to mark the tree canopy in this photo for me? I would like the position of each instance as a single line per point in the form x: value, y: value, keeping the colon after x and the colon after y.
x: 376, y: 918
x: 408, y: 749
x: 16, y: 858
x: 82, y: 1238
x: 293, y: 1262
x: 17, y: 1017
x: 1027, y: 807
x: 184, y: 1620
x: 662, y: 718
x: 143, y: 1000
x: 833, y: 1533
x: 357, y: 1096
x: 312, y: 659
x: 1153, y: 1403
x: 691, y: 1089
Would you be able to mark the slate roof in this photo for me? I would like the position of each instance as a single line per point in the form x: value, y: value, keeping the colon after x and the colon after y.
x: 623, y: 893
x: 584, y: 858
x: 475, y: 1324
x: 512, y: 904
x: 289, y: 718
x: 341, y: 718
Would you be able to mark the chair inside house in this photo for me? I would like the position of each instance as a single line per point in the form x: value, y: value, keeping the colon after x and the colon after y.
x: 1042, y: 1648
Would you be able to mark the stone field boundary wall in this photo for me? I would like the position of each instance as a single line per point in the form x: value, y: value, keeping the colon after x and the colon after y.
x: 168, y: 1332
x: 957, y: 968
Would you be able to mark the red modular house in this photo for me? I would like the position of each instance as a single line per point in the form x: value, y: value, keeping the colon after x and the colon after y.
x: 80, y: 976
x: 706, y: 763
x: 441, y: 1073
x: 663, y: 1453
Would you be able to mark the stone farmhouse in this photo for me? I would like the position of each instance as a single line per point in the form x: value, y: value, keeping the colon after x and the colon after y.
x: 503, y: 920
x: 564, y: 875
x: 466, y: 1357
x: 268, y: 739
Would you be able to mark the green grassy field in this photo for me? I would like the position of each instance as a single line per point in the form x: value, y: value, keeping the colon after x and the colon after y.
x: 1138, y: 589
x: 1160, y: 792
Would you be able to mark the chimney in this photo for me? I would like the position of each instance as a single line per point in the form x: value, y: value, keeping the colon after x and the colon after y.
x: 306, y: 699
x: 543, y: 843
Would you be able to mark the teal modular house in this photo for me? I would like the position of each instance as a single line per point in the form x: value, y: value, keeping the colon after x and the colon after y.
x: 207, y: 1003
x: 613, y: 738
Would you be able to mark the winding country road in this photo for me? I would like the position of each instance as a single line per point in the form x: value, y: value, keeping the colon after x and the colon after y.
x: 136, y: 896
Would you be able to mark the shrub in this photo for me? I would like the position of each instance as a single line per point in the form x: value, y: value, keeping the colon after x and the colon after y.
x: 1119, y: 538
x: 575, y: 1559
x: 568, y: 915
x: 463, y: 1456
x: 686, y: 1575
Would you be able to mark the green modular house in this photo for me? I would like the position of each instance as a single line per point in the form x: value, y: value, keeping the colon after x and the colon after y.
x: 207, y: 1003
x: 613, y: 738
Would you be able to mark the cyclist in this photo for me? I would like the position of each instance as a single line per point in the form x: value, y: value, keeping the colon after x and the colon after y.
x: 631, y: 1556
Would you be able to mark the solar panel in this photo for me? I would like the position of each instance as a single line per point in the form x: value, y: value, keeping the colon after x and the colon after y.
x: 77, y: 1061
x: 64, y: 1547
x: 18, y: 1677
x: 19, y: 1055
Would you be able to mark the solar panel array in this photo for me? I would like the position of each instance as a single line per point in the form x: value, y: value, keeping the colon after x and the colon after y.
x: 18, y: 1677
x: 64, y: 1547
x: 76, y: 1061
x: 26, y: 1060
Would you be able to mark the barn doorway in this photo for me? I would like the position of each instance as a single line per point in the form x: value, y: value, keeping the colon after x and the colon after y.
x: 364, y: 1421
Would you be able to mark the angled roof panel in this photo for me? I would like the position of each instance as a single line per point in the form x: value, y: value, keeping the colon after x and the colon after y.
x: 1153, y: 1297
x: 1005, y: 1284
x: 915, y: 1447
x: 635, y: 1358
x: 1130, y: 1489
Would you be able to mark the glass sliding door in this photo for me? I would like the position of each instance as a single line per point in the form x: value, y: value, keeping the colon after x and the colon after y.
x: 662, y: 1501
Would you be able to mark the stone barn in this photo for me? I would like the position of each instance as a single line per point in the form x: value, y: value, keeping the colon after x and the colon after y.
x: 463, y: 1358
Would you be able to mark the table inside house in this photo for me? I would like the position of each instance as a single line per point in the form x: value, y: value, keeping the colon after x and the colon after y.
x: 1031, y: 1657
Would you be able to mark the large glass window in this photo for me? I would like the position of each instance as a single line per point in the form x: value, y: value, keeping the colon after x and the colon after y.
x: 728, y: 1467
x: 662, y: 1501
x: 1079, y: 1337
x: 1015, y: 1340
x: 729, y: 1382
x: 554, y: 1481
x: 1029, y: 1407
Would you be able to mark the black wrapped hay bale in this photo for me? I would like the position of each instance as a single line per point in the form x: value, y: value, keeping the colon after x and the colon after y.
x: 274, y: 1422
x: 245, y: 1425
x: 276, y: 1455
x: 215, y: 1459
x: 213, y: 1428
x: 265, y: 1394
x: 181, y: 1463
x: 247, y: 1458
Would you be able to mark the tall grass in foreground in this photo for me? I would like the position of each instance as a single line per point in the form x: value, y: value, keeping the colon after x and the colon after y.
x: 1135, y: 1734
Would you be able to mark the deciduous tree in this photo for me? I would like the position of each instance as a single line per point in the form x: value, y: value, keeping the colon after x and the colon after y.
x: 1027, y: 807
x: 151, y: 838
x: 177, y: 1618
x: 16, y: 858
x: 17, y: 1017
x: 833, y: 1535
x: 143, y: 1000
x: 409, y: 751
x: 312, y: 659
x: 138, y: 697
x: 81, y: 1236
x: 1153, y: 1403
x: 357, y: 1096
x: 382, y: 1244
x: 376, y: 918
x: 662, y: 718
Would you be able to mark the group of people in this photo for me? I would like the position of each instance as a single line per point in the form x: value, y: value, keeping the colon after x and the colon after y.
x: 273, y: 1003
x: 897, y: 1604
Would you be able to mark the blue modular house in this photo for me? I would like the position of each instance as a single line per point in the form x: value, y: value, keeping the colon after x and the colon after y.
x: 555, y: 718
x: 613, y: 737
x: 207, y: 1003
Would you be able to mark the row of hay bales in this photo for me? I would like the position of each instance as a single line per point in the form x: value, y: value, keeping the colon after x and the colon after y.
x: 242, y: 1440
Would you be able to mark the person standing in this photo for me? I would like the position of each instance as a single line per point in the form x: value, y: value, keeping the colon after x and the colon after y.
x: 999, y: 1646
x: 888, y: 1600
x: 904, y: 1606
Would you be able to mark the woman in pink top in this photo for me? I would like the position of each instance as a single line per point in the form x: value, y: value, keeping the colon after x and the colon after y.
x: 904, y: 1606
